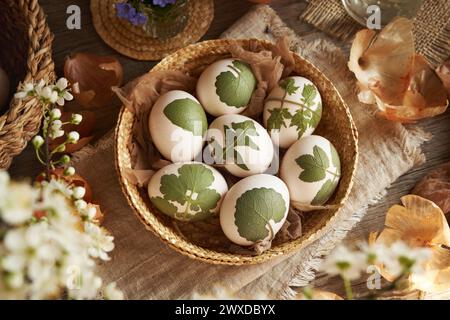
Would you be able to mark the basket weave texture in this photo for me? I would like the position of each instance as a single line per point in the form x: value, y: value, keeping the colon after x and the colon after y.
x: 26, y: 57
x: 336, y: 125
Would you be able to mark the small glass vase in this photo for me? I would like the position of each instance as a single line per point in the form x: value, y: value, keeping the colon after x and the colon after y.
x: 165, y: 23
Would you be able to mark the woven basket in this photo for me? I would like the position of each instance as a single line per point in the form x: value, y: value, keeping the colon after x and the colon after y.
x: 336, y: 125
x: 26, y: 55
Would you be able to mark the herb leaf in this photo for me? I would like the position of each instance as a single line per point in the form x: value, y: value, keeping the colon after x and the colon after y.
x: 325, y: 192
x: 254, y: 211
x: 190, y: 190
x: 309, y: 93
x: 236, y: 91
x: 187, y: 114
x: 314, y: 166
x: 277, y: 119
x: 289, y: 85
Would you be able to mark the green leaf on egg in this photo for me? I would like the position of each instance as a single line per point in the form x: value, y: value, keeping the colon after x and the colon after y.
x: 187, y: 114
x: 289, y: 85
x: 254, y: 211
x: 335, y: 159
x: 306, y: 118
x: 238, y: 135
x: 314, y: 166
x: 190, y: 190
x: 325, y: 192
x: 236, y: 89
x: 309, y: 94
x: 277, y: 119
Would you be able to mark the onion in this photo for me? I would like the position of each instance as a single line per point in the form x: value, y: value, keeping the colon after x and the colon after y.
x: 95, y: 76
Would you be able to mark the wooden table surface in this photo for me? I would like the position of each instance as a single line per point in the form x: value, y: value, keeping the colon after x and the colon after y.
x: 226, y: 13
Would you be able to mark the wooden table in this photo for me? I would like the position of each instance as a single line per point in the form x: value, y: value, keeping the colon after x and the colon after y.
x: 226, y: 13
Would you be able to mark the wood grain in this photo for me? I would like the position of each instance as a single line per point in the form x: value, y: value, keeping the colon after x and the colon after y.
x: 227, y: 12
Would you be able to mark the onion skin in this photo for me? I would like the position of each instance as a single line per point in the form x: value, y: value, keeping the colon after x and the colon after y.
x: 95, y: 76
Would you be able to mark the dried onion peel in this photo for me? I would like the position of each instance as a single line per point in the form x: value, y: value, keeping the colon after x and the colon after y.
x: 95, y: 75
x: 421, y: 223
x: 390, y: 74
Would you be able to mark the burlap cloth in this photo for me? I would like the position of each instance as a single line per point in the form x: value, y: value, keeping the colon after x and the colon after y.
x: 145, y: 268
x: 431, y: 25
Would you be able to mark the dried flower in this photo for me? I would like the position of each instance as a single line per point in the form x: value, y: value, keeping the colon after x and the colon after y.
x: 420, y: 224
x: 435, y: 186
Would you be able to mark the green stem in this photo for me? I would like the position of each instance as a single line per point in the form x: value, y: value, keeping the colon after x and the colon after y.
x: 348, y: 288
x: 38, y: 156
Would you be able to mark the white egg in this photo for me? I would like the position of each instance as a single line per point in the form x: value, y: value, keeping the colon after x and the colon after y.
x: 4, y: 88
x: 187, y: 191
x: 239, y: 143
x: 226, y: 87
x: 254, y: 209
x: 292, y: 110
x: 311, y: 168
x: 177, y: 126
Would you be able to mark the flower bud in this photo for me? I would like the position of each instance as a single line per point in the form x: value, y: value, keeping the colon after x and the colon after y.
x: 79, y: 192
x: 55, y: 114
x: 38, y: 141
x: 80, y: 205
x: 65, y: 159
x: 60, y: 149
x: 70, y: 171
x: 76, y: 119
x: 73, y: 137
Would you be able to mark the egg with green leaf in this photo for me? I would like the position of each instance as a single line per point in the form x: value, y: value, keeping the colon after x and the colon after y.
x: 178, y: 125
x: 292, y: 111
x: 311, y: 168
x: 240, y: 144
x: 187, y: 191
x: 226, y: 87
x: 254, y: 210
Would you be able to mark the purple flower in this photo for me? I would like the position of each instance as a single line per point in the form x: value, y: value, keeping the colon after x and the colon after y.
x: 163, y: 3
x: 123, y: 10
x: 128, y: 12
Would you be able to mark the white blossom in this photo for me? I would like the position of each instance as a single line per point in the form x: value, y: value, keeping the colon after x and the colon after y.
x: 70, y: 171
x: 112, y: 293
x: 38, y: 141
x: 73, y: 137
x: 62, y: 84
x: 80, y: 205
x: 79, y: 192
x: 41, y: 258
x: 404, y: 259
x: 49, y: 95
x: 101, y: 242
x: 76, y: 119
x: 346, y: 263
x: 55, y: 114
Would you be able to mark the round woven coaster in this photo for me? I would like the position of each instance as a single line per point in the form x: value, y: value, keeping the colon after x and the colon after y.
x: 135, y: 43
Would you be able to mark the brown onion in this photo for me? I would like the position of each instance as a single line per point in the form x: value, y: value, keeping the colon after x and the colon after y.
x: 95, y: 76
